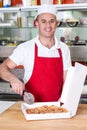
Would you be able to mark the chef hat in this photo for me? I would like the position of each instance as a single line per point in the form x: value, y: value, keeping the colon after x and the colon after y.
x: 47, y: 8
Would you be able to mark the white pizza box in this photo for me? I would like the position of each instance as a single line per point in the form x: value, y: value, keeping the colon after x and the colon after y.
x: 70, y: 97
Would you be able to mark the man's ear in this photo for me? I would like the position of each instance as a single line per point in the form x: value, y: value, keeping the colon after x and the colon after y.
x: 57, y: 22
x: 35, y: 23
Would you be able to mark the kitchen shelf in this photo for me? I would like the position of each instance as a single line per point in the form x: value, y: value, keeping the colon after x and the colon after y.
x: 78, y: 26
x: 31, y: 27
x: 12, y: 27
x: 62, y: 7
x: 10, y: 9
x: 78, y: 6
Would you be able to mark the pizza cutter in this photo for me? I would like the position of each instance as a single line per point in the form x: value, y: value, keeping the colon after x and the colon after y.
x: 28, y: 97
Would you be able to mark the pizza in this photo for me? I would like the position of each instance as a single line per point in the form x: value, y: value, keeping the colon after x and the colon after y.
x: 45, y: 109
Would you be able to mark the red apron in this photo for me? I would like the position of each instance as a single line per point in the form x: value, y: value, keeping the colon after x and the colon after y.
x: 47, y: 78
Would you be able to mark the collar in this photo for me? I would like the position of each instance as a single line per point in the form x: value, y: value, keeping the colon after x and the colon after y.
x: 55, y: 46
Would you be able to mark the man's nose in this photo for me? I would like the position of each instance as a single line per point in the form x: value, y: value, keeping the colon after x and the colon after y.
x: 48, y: 24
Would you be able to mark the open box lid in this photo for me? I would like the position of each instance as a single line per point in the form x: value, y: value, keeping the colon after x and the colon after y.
x: 73, y: 86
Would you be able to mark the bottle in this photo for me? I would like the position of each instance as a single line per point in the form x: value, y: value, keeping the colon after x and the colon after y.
x: 57, y: 1
x: 38, y: 2
x: 34, y: 2
x: 6, y: 3
x: 19, y: 20
x: 16, y: 2
x: 1, y: 3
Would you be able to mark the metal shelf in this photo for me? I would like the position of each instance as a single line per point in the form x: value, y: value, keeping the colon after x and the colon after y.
x: 10, y: 9
x: 62, y: 7
x: 79, y: 6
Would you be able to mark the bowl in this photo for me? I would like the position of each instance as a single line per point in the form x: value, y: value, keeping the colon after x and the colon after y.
x: 72, y: 22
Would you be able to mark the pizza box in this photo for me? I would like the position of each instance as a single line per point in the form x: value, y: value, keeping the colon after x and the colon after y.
x: 70, y: 96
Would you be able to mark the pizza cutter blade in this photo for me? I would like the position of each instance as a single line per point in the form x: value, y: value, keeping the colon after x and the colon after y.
x: 28, y: 97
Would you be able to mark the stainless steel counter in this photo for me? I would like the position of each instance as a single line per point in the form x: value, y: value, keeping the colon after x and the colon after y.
x: 5, y: 51
x: 78, y: 52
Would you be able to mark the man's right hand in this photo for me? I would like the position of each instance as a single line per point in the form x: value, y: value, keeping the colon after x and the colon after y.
x: 17, y: 86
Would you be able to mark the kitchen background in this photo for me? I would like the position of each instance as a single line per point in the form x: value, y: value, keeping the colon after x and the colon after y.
x: 14, y: 26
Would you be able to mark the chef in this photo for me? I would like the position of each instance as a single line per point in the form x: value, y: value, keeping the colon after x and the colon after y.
x: 45, y: 59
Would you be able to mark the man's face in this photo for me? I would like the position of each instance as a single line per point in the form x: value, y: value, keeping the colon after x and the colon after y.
x: 46, y: 24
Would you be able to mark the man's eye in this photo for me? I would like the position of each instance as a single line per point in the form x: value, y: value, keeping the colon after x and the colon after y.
x: 52, y: 21
x: 43, y: 21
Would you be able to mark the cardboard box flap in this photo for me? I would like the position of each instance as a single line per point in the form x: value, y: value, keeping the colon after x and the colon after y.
x: 73, y: 86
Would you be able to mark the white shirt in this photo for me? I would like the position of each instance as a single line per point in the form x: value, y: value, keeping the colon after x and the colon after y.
x: 24, y: 55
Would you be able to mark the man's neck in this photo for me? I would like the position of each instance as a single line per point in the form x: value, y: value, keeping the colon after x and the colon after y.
x: 47, y: 42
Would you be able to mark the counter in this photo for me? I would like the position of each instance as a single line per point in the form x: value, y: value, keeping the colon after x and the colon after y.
x: 13, y: 119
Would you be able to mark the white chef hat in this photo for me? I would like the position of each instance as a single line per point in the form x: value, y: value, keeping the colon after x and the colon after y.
x: 47, y: 8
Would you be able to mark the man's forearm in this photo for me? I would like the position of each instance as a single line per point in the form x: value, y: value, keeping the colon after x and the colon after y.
x: 5, y: 73
x: 17, y: 85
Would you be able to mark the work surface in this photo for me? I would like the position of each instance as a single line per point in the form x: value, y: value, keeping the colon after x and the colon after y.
x: 13, y: 119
